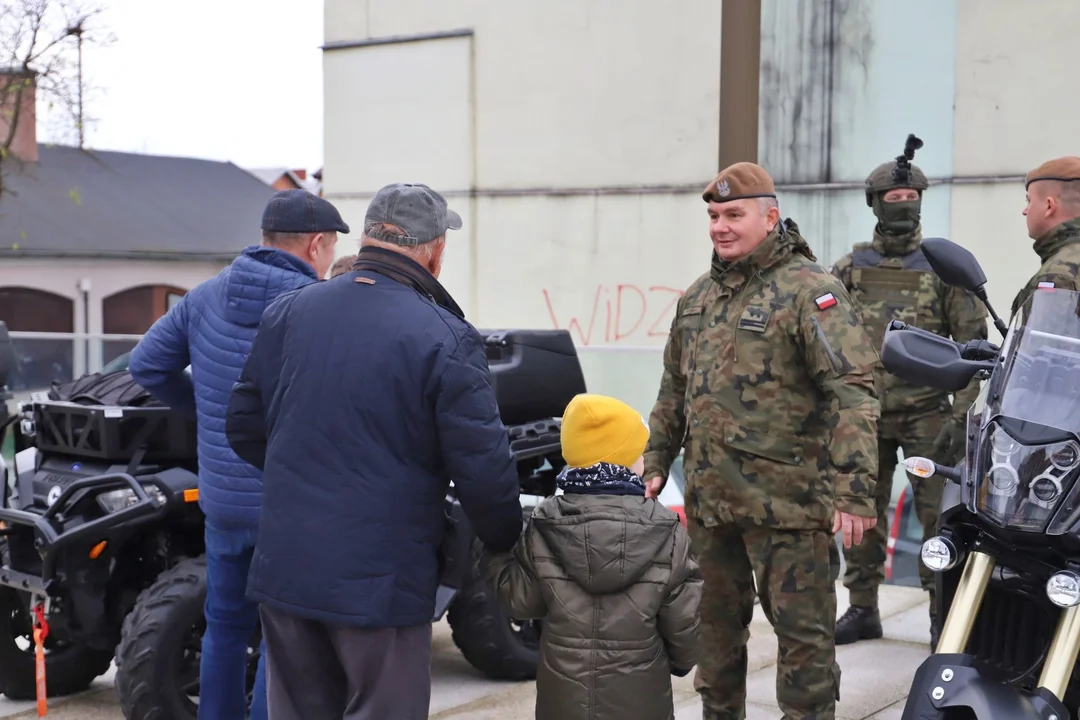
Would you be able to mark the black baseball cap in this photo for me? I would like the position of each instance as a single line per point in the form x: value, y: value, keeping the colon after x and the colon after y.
x: 298, y: 211
x: 415, y: 208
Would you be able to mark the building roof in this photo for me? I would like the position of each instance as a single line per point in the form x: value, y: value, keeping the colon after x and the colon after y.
x: 103, y: 204
x: 270, y: 175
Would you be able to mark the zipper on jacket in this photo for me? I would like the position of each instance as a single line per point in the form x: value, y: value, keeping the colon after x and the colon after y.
x: 837, y: 365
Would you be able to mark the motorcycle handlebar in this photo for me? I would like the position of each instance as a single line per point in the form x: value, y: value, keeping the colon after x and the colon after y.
x: 978, y: 350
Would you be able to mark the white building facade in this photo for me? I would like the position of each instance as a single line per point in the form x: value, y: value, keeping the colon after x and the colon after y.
x: 574, y: 137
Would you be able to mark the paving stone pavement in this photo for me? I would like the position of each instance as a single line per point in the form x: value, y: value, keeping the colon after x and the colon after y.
x: 875, y: 676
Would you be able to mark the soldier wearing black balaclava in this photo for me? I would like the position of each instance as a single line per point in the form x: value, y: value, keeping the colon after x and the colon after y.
x: 890, y: 279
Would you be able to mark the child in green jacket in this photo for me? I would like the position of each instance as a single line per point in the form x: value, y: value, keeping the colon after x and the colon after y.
x: 609, y: 573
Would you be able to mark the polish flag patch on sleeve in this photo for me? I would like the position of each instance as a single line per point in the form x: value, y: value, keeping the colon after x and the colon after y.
x: 826, y: 301
x: 1046, y: 285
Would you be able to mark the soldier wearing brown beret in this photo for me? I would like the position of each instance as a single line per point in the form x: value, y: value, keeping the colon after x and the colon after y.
x: 1053, y: 222
x: 768, y: 389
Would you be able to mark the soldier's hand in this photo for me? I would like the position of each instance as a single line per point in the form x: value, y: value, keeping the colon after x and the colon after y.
x: 653, y: 486
x: 853, y: 527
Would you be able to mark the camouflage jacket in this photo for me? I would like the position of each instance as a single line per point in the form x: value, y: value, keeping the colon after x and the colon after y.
x: 768, y: 388
x: 890, y: 279
x: 1059, y: 251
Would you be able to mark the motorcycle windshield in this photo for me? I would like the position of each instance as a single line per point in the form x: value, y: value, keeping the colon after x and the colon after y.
x: 1029, y: 453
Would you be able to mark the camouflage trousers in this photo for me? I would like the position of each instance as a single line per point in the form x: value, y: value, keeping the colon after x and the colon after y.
x: 866, y: 562
x: 796, y: 574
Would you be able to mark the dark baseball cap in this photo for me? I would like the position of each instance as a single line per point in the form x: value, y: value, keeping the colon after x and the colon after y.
x: 415, y: 208
x: 298, y: 211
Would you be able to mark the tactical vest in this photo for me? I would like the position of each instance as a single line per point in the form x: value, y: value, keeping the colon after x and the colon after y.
x: 887, y: 288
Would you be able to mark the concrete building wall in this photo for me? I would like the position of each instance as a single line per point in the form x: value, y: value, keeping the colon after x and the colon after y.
x: 841, y: 90
x: 574, y: 138
x: 1015, y: 104
x: 561, y: 134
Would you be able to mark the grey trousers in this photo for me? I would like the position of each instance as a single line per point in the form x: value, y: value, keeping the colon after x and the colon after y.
x: 319, y: 671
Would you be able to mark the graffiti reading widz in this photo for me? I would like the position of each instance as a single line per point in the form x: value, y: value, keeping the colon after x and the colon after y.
x: 618, y: 313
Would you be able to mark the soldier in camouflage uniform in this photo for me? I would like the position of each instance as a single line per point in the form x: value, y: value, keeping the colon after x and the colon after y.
x: 768, y: 389
x: 890, y: 279
x: 1053, y: 222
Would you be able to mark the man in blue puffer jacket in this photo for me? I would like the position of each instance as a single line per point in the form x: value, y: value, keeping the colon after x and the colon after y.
x: 212, y: 329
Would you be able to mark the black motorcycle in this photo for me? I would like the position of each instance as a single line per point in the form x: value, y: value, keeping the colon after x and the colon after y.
x: 1007, y: 552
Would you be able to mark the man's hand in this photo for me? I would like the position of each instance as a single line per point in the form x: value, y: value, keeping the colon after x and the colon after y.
x: 653, y: 486
x: 853, y: 527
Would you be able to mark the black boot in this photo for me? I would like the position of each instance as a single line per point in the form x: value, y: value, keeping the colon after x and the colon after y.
x: 858, y: 623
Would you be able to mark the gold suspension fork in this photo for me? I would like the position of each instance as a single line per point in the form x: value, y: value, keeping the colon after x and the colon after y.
x: 966, y: 603
x: 1058, y: 668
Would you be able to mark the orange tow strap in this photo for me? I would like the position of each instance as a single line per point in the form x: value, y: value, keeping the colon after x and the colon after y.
x: 41, y: 631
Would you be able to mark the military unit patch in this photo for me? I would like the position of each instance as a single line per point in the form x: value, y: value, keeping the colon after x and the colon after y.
x: 826, y: 301
x: 755, y: 319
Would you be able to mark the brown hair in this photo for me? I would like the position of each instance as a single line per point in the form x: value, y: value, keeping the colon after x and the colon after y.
x: 342, y: 265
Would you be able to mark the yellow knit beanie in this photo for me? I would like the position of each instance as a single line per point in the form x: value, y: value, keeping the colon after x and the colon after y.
x: 597, y: 428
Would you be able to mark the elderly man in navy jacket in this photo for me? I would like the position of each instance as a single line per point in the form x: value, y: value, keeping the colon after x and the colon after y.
x: 363, y: 397
x: 211, y: 329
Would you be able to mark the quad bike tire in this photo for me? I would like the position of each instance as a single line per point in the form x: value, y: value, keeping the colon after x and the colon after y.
x: 69, y: 668
x: 153, y: 635
x: 483, y: 631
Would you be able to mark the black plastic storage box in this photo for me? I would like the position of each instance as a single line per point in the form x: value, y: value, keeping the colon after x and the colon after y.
x: 114, y: 433
x: 535, y: 373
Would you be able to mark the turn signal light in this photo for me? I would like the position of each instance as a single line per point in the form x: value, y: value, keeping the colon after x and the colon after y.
x: 191, y: 495
x: 920, y: 466
x: 95, y: 552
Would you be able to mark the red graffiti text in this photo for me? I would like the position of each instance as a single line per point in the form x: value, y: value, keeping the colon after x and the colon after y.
x: 618, y: 313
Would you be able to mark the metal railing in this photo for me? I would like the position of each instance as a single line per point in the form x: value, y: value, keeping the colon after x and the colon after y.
x: 631, y: 373
x: 43, y: 358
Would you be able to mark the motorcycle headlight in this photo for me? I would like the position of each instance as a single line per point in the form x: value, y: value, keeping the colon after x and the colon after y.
x: 117, y: 500
x: 1063, y: 589
x: 1020, y: 486
x: 939, y: 554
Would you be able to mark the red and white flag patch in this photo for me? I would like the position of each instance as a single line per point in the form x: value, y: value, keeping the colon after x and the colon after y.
x: 826, y: 301
x: 1045, y: 285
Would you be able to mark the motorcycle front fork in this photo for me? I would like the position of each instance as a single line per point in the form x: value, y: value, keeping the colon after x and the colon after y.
x: 1060, y: 659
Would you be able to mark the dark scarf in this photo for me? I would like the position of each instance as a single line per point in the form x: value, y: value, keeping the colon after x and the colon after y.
x: 600, y: 479
x: 897, y: 245
x: 408, y: 272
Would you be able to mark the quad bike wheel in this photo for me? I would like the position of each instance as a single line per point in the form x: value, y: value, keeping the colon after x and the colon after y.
x: 160, y: 649
x: 501, y: 647
x: 69, y: 667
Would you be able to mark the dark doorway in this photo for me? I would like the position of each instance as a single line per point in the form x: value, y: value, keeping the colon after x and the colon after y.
x: 132, y: 312
x: 40, y: 361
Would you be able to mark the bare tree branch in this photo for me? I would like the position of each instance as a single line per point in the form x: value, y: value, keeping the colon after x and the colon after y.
x: 39, y: 51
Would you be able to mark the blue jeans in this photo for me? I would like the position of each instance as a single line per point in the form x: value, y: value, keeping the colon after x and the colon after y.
x: 230, y: 622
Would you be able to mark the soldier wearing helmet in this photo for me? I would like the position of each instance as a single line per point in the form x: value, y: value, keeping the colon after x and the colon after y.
x: 889, y: 279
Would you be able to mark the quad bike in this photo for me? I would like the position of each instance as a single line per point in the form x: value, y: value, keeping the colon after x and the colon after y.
x: 103, y: 535
x: 1007, y: 553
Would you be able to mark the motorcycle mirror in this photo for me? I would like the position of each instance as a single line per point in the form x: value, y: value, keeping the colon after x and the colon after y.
x: 954, y: 264
x: 957, y: 267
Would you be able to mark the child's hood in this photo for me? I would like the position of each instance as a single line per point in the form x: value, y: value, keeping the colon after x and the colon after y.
x: 605, y: 542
